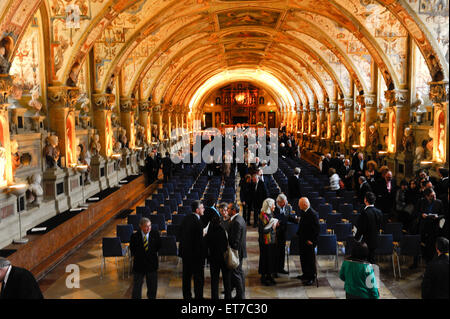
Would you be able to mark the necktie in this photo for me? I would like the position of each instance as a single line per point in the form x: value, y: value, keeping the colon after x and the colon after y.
x: 145, y: 243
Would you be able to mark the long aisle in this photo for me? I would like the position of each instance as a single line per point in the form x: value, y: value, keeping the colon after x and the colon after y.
x: 113, y: 285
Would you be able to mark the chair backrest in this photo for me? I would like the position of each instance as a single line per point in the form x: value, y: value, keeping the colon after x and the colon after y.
x: 159, y: 220
x: 187, y: 202
x: 174, y: 230
x: 323, y: 228
x: 324, y: 210
x: 291, y: 230
x: 124, y: 232
x: 158, y: 197
x: 333, y: 219
x: 134, y: 220
x: 168, y: 246
x: 354, y: 218
x: 185, y: 210
x: 327, y: 244
x: 384, y: 244
x: 143, y: 211
x: 111, y: 247
x: 293, y: 246
x: 165, y: 211
x: 348, y: 196
x: 342, y: 231
x: 346, y: 210
x: 395, y: 229
x: 152, y: 204
x: 410, y: 245
x: 316, y: 202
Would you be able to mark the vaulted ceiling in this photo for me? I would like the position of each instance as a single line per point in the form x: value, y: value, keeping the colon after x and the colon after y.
x: 302, y: 51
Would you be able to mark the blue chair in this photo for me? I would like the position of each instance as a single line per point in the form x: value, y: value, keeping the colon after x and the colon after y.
x: 165, y: 211
x: 168, y: 246
x: 173, y: 230
x: 112, y: 247
x: 193, y: 196
x: 323, y: 228
x: 316, y: 202
x: 177, y: 219
x: 354, y: 218
x: 152, y: 204
x: 346, y: 210
x: 395, y: 229
x: 143, y: 211
x: 124, y: 232
x: 158, y: 220
x: 336, y: 201
x: 342, y: 231
x: 324, y: 210
x: 409, y: 246
x: 291, y: 231
x: 327, y: 246
x: 178, y: 197
x: 187, y: 202
x: 385, y: 247
x: 134, y: 220
x: 158, y: 197
x: 348, y: 196
x: 333, y: 219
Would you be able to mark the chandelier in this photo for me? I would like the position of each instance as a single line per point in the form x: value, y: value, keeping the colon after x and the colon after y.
x: 241, y: 98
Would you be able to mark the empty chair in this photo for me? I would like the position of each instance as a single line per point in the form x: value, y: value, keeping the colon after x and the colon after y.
x: 324, y: 210
x: 177, y: 219
x: 112, y: 247
x: 354, y: 218
x: 291, y: 230
x: 187, y: 202
x: 172, y: 204
x: 158, y: 220
x: 333, y: 219
x: 323, y: 228
x: 313, y: 194
x: 134, y: 220
x: 327, y: 246
x: 152, y: 204
x: 385, y: 247
x: 124, y: 232
x: 395, y: 229
x: 193, y: 196
x: 143, y: 211
x: 348, y: 196
x: 346, y: 210
x: 336, y: 201
x: 173, y: 230
x: 342, y: 231
x: 168, y: 246
x: 316, y: 202
x: 409, y: 246
x: 185, y: 210
x: 328, y: 195
x: 158, y: 197
x: 178, y: 198
x: 165, y: 211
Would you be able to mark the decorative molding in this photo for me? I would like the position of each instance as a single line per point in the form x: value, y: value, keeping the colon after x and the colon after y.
x: 144, y: 106
x: 63, y: 96
x: 128, y: 105
x: 397, y: 98
x: 439, y: 92
x: 104, y: 101
x: 6, y: 87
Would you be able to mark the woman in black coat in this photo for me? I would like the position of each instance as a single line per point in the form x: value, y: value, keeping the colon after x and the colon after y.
x: 217, y: 243
x: 245, y: 195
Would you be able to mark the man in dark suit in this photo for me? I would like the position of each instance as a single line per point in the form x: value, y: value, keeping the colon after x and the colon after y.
x: 167, y: 167
x: 442, y: 184
x: 359, y: 165
x: 144, y: 247
x: 429, y: 211
x: 259, y: 194
x: 435, y: 278
x: 237, y: 239
x: 385, y: 191
x: 17, y: 283
x: 192, y: 251
x: 326, y: 164
x: 368, y: 225
x: 308, y: 234
x: 294, y: 185
x: 363, y: 189
x: 283, y: 212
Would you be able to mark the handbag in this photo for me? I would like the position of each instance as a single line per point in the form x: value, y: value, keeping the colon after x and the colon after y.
x: 231, y: 256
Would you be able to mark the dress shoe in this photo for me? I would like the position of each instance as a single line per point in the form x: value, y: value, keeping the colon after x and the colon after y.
x: 302, y: 277
x: 271, y: 281
x: 309, y: 282
x: 284, y: 272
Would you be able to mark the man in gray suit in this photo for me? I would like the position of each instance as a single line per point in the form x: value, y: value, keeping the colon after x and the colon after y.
x: 237, y: 239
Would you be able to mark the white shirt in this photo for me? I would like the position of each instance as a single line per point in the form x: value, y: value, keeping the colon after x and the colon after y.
x: 368, y: 207
x: 6, y: 276
x: 144, y: 235
x: 334, y: 182
x: 232, y: 217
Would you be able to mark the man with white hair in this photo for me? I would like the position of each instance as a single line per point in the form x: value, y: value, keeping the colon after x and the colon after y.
x: 17, y: 283
x: 308, y: 234
x: 283, y: 212
x: 294, y: 184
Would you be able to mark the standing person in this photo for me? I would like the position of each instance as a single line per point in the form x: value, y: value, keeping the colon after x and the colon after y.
x: 245, y: 196
x: 237, y: 240
x: 144, y: 247
x: 217, y: 243
x: 267, y: 249
x: 401, y: 206
x: 259, y: 194
x: 192, y: 251
x: 167, y: 167
x: 326, y: 164
x: 428, y: 211
x: 224, y: 217
x: 308, y: 234
x: 368, y: 225
x: 385, y: 191
x: 435, y: 278
x: 355, y: 272
x: 359, y: 165
x: 17, y: 283
x: 283, y: 212
x: 334, y: 181
x: 294, y: 185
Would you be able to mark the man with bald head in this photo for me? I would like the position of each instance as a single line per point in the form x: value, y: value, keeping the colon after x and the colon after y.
x: 308, y: 233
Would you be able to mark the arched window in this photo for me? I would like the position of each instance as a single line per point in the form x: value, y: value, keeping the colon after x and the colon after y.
x: 261, y: 100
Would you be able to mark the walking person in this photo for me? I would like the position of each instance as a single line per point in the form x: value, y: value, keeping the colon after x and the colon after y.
x: 144, y: 247
x: 283, y: 212
x: 237, y: 240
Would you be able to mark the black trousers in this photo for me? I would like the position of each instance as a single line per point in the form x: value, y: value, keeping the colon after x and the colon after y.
x: 197, y: 271
x: 152, y: 284
x: 281, y: 254
x: 238, y: 280
x: 215, y: 269
x: 307, y: 261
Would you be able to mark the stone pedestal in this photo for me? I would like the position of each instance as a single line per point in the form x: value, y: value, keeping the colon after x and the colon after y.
x: 98, y: 171
x: 73, y: 188
x: 126, y: 161
x: 54, y: 181
x: 404, y: 166
x: 111, y: 173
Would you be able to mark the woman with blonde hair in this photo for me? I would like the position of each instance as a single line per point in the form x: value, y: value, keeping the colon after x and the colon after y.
x: 267, y: 249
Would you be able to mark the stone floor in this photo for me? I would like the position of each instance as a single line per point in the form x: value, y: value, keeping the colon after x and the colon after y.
x: 113, y: 286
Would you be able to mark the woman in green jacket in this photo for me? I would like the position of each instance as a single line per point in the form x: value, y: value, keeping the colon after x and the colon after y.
x: 359, y: 275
